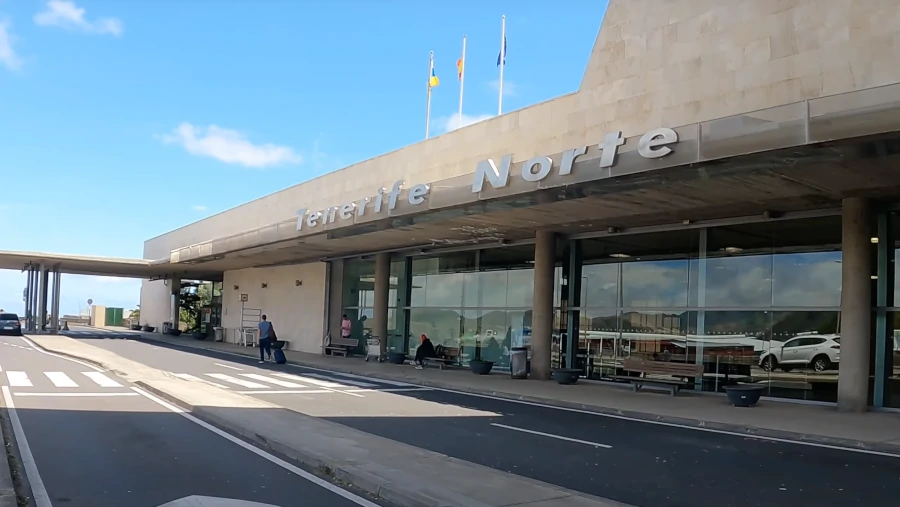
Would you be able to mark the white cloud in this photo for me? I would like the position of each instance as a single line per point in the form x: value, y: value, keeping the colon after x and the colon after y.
x: 8, y: 56
x: 230, y: 146
x: 198, y: 207
x: 510, y: 88
x: 66, y: 14
x: 453, y: 122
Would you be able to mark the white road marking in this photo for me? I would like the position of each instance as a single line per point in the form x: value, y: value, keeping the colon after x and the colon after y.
x: 351, y: 382
x: 76, y: 395
x: 1, y: 368
x: 389, y: 390
x: 38, y: 491
x: 101, y: 379
x: 373, y: 379
x: 551, y: 435
x: 282, y: 383
x: 188, y: 376
x: 233, y: 380
x: 18, y: 379
x: 315, y: 391
x: 315, y: 382
x: 60, y: 379
x: 318, y: 383
x: 228, y: 366
x: 358, y: 500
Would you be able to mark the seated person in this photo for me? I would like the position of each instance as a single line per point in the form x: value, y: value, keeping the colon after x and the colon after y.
x: 425, y: 349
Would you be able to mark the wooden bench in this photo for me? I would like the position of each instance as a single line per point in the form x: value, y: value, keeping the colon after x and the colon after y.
x: 341, y: 346
x: 450, y: 357
x: 669, y: 376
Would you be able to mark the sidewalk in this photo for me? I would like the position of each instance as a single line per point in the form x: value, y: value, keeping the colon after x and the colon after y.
x: 404, y: 475
x: 878, y: 431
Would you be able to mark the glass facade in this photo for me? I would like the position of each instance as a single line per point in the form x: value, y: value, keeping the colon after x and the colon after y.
x: 479, y: 301
x: 757, y: 302
x: 751, y: 303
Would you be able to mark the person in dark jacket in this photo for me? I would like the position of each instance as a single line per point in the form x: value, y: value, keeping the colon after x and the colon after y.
x: 425, y: 349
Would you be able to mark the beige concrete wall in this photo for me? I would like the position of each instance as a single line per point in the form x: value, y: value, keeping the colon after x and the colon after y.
x: 655, y: 63
x: 98, y: 315
x: 154, y: 303
x: 296, y: 312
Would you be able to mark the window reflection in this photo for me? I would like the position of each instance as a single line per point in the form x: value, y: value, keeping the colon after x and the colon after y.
x: 807, y: 279
x: 655, y: 284
x: 739, y: 281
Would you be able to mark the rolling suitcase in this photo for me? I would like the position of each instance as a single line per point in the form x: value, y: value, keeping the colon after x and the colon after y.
x: 279, y: 356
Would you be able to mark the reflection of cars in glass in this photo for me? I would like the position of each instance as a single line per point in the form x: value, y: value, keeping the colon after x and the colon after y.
x: 9, y: 324
x: 819, y: 352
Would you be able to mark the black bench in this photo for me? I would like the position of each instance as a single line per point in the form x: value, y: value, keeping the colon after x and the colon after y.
x: 449, y: 357
x: 341, y: 346
x: 669, y: 376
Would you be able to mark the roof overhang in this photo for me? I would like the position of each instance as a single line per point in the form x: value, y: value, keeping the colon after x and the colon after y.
x: 104, y: 266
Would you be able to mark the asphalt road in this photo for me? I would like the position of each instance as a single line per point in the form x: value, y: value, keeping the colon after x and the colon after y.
x: 643, y: 465
x: 97, y: 442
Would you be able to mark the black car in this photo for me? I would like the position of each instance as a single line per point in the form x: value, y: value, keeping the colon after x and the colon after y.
x: 9, y: 324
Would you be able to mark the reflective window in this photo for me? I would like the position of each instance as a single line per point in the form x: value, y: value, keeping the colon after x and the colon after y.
x: 600, y: 285
x: 740, y: 281
x: 655, y: 284
x: 807, y: 279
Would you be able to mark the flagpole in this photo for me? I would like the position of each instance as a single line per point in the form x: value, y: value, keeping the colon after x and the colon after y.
x: 428, y: 106
x: 502, y: 63
x: 462, y: 80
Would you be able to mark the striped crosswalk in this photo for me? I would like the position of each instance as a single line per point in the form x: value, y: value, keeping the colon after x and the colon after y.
x: 62, y: 379
x: 290, y: 383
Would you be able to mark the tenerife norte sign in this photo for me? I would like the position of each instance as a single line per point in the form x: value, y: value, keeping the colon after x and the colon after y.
x: 654, y: 144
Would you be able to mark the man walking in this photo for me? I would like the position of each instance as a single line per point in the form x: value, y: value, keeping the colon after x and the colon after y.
x: 266, y: 333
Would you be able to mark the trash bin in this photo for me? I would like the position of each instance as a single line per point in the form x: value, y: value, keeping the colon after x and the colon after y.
x: 219, y: 333
x: 167, y: 326
x: 518, y: 362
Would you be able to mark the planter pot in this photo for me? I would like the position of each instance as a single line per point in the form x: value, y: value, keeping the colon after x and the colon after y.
x: 566, y: 376
x: 198, y: 336
x: 135, y: 327
x: 744, y: 395
x: 174, y: 332
x: 481, y: 367
x: 148, y: 329
x: 396, y: 357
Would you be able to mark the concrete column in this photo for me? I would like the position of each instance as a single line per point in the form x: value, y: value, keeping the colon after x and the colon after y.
x: 54, y: 312
x: 174, y: 300
x: 382, y: 291
x: 45, y: 293
x: 28, y: 298
x: 335, y: 298
x: 542, y: 309
x: 41, y: 315
x: 856, y: 306
x: 34, y: 299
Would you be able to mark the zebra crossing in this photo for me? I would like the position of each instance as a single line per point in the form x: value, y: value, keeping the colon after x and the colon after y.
x: 59, y: 379
x: 290, y: 383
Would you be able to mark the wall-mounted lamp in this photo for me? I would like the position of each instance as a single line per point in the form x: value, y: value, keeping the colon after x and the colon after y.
x: 264, y: 285
x: 298, y: 282
x: 236, y: 287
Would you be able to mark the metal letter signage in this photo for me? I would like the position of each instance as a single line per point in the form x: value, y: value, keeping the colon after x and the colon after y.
x: 652, y: 145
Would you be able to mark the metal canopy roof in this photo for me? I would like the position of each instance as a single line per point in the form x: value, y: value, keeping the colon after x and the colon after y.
x: 105, y: 266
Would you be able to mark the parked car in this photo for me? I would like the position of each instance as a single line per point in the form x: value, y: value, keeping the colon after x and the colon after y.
x: 819, y: 352
x: 9, y: 324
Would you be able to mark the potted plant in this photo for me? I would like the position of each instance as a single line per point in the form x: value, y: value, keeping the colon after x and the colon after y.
x: 744, y: 395
x: 566, y: 376
x: 136, y: 327
x: 148, y: 328
x: 478, y: 365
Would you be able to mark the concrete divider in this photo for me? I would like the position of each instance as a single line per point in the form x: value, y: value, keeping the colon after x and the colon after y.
x: 402, y: 474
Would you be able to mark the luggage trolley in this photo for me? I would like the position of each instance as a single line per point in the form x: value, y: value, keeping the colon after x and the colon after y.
x: 373, y: 348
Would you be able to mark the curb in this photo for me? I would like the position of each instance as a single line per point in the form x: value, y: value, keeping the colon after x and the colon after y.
x: 8, y: 497
x: 396, y: 496
x: 690, y: 423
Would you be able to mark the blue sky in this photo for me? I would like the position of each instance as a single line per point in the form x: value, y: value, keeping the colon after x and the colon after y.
x: 122, y: 120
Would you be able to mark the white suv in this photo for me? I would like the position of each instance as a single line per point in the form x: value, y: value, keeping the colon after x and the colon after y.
x: 819, y: 352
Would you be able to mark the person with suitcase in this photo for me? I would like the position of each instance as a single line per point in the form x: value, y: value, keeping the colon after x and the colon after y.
x: 266, y: 336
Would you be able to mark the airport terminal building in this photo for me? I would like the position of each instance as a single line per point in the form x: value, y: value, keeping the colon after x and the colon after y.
x: 721, y: 190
